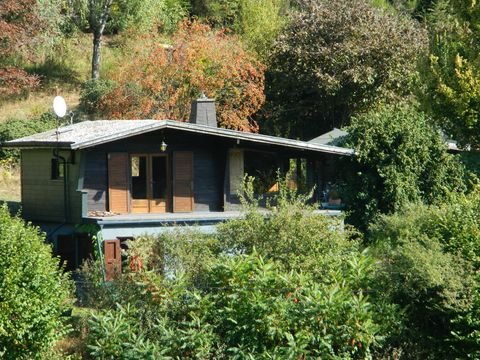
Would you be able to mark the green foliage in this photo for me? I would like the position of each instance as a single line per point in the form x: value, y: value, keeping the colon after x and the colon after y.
x: 291, y: 234
x: 34, y: 291
x: 117, y: 335
x: 92, y: 91
x: 427, y: 265
x: 246, y: 308
x: 260, y: 311
x: 451, y: 73
x: 237, y: 294
x: 145, y: 15
x: 401, y: 158
x: 258, y: 22
x: 17, y: 128
x: 186, y: 252
x: 336, y: 59
x: 139, y: 16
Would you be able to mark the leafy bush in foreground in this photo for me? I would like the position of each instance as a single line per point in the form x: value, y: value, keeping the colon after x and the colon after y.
x: 294, y: 287
x: 428, y: 264
x: 34, y: 291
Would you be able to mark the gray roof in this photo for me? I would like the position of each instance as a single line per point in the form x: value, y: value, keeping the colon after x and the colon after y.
x: 332, y: 137
x: 91, y: 133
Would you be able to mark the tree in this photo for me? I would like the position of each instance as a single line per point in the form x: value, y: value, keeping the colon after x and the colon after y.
x: 451, y: 73
x: 400, y: 158
x: 257, y: 22
x: 335, y: 59
x: 34, y: 291
x: 161, y: 81
x: 98, y: 13
x: 19, y: 27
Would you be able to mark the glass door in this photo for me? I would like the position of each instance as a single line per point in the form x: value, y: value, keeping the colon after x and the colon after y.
x: 159, y: 176
x: 149, y: 185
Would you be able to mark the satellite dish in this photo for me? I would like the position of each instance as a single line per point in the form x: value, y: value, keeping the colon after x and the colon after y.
x: 59, y: 106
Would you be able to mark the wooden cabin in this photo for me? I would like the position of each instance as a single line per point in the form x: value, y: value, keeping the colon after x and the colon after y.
x: 130, y: 177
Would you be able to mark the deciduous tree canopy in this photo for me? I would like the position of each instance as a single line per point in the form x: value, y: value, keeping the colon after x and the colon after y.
x: 337, y: 58
x: 162, y: 80
x: 19, y: 26
x: 452, y: 72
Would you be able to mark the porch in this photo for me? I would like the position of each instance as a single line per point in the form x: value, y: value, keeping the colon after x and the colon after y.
x: 131, y: 225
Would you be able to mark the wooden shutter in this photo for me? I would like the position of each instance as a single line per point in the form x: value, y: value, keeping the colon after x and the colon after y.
x: 118, y: 182
x: 113, y: 259
x: 236, y: 170
x: 183, y: 181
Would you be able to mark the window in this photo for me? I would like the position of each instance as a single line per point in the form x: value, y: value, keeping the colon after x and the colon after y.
x: 139, y: 177
x: 57, y: 169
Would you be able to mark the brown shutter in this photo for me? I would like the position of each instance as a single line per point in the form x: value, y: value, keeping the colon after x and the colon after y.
x: 236, y: 170
x: 183, y: 181
x: 118, y: 182
x: 113, y: 259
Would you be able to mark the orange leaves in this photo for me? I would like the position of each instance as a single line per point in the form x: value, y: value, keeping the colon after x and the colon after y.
x: 15, y: 81
x: 18, y: 27
x: 161, y: 81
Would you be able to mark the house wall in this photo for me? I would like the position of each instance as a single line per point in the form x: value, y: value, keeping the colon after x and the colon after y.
x: 209, y: 157
x: 42, y: 197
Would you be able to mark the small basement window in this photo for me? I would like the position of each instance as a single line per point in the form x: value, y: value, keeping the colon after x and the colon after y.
x: 57, y: 169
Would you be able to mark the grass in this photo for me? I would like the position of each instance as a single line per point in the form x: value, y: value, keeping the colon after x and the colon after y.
x: 73, y: 345
x: 63, y: 76
x: 36, y: 104
x: 10, y: 184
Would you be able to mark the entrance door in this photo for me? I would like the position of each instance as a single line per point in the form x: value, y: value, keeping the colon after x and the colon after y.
x: 149, y: 183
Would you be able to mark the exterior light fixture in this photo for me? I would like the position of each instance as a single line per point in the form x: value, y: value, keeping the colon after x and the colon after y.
x: 163, y: 146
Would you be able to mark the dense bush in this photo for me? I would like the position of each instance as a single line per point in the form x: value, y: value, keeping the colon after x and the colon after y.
x: 34, y: 291
x: 451, y: 72
x: 429, y: 263
x: 91, y: 93
x: 245, y: 292
x: 257, y: 22
x: 16, y: 128
x: 401, y: 158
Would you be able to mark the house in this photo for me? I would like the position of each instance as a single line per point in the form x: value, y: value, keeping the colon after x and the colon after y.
x: 129, y: 177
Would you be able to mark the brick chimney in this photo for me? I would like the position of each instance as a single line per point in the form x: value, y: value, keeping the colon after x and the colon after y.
x: 203, y: 111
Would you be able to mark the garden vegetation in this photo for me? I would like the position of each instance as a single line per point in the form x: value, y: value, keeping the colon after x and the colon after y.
x: 397, y: 278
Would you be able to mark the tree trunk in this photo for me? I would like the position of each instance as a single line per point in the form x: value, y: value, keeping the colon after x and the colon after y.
x: 97, y: 44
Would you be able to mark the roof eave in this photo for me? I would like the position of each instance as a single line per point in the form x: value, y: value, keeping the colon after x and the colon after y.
x: 37, y: 144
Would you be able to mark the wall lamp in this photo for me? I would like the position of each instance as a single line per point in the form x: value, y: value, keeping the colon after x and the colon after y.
x: 163, y: 146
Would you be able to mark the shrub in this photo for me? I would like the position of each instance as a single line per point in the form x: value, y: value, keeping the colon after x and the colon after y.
x: 34, y: 291
x: 401, y: 158
x: 16, y: 128
x: 92, y: 92
x: 288, y: 285
x: 291, y: 234
x: 428, y: 261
